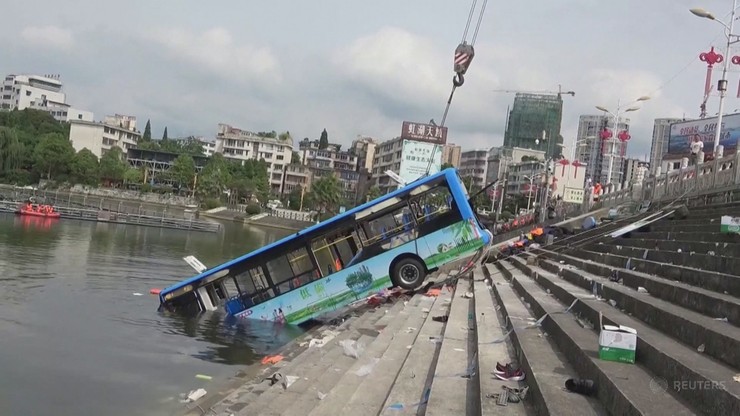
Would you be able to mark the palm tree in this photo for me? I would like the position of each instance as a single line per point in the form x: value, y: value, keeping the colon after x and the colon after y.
x: 326, y: 193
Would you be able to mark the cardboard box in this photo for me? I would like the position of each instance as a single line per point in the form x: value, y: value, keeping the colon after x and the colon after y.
x: 730, y: 224
x: 617, y: 343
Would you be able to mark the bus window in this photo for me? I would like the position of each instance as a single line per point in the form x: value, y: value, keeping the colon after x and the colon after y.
x: 335, y: 252
x: 435, y: 209
x: 391, y: 229
x: 253, y: 286
x: 291, y: 271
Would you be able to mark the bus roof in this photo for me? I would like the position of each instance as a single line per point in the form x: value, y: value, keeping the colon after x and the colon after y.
x: 319, y: 226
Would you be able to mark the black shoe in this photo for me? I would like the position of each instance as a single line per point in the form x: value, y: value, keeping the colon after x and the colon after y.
x: 581, y: 386
x: 441, y: 318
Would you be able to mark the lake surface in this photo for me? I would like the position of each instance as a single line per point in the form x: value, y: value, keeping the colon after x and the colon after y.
x: 74, y: 337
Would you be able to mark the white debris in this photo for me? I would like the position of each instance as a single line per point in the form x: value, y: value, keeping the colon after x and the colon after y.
x: 351, y: 348
x: 721, y: 319
x: 137, y: 294
x: 321, y: 395
x: 679, y: 250
x: 613, y: 302
x: 641, y: 289
x: 700, y: 348
x: 367, y: 368
x: 289, y: 380
x: 196, y: 394
x: 711, y: 253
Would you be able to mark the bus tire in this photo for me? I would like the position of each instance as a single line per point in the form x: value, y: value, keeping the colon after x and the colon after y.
x: 408, y: 273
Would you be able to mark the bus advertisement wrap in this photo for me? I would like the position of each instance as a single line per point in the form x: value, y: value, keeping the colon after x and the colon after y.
x: 683, y: 133
x: 415, y: 158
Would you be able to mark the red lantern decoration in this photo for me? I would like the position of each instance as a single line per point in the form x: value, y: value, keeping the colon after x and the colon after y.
x: 710, y: 58
x: 624, y: 137
x: 563, y: 163
x: 576, y: 164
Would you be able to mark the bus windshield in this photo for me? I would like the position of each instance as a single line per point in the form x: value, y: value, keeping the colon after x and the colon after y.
x: 395, y: 240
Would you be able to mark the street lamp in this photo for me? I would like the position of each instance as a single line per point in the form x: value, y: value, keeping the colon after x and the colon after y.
x: 722, y: 83
x: 615, y: 115
x: 529, y: 193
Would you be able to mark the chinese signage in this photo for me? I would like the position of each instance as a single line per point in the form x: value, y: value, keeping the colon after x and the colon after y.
x: 573, y: 195
x: 424, y: 132
x: 682, y: 134
x: 417, y: 157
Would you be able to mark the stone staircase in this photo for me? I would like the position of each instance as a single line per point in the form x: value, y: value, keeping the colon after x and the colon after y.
x: 674, y: 281
x: 410, y: 364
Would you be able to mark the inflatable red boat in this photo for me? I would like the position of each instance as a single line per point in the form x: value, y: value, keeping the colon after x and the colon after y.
x: 44, y: 211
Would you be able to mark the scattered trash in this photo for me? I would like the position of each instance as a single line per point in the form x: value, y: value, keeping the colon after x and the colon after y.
x: 435, y: 340
x: 711, y: 253
x: 641, y: 289
x: 203, y: 377
x: 274, y: 379
x: 468, y: 295
x: 351, y: 348
x: 137, y: 294
x: 401, y: 406
x: 410, y: 329
x: 721, y: 319
x: 613, y: 302
x: 700, y: 348
x: 737, y: 378
x: 321, y: 395
x: 272, y: 359
x: 617, y: 343
x: 289, y: 380
x: 408, y: 347
x: 562, y: 262
x: 196, y: 394
x: 367, y: 368
x: 433, y: 292
x: 440, y: 318
x: 678, y: 251
x: 426, y: 310
x: 459, y: 349
x: 155, y: 291
x: 581, y: 386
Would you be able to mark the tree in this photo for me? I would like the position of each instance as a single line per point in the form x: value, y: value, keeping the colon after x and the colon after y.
x: 327, y: 193
x: 446, y: 165
x: 53, y: 154
x: 11, y: 150
x: 148, y: 145
x: 147, y: 137
x: 164, y: 135
x: 192, y: 146
x: 295, y: 159
x: 284, y: 136
x: 294, y: 198
x: 324, y: 140
x: 133, y: 175
x: 373, y: 193
x: 113, y: 165
x: 85, y: 167
x: 183, y: 170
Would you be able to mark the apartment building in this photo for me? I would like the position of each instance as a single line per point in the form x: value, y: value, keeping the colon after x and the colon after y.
x: 39, y: 92
x: 99, y: 137
x: 242, y: 145
x: 474, y: 165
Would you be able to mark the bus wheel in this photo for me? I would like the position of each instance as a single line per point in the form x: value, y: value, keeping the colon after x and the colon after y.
x: 408, y: 273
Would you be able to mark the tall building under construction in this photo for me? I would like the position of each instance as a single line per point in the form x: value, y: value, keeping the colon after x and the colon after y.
x: 532, y: 115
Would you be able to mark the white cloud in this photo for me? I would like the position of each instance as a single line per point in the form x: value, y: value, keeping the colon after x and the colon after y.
x: 216, y: 51
x: 48, y: 36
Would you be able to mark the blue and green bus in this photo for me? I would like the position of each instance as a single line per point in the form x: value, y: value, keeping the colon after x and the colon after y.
x: 395, y: 240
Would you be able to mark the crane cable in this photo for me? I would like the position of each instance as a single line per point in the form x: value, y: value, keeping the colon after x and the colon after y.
x: 464, y: 54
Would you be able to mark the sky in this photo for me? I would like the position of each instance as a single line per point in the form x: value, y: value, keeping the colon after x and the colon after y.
x: 362, y: 68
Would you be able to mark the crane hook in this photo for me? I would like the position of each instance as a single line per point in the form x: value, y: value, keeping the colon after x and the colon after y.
x: 458, y: 80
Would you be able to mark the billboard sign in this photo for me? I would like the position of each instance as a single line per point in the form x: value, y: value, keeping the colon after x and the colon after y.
x: 424, y: 132
x: 683, y: 133
x: 416, y: 157
x: 573, y: 195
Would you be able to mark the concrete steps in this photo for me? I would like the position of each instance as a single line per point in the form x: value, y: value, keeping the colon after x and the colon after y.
x: 546, y: 368
x: 723, y: 249
x: 677, y: 363
x: 707, y: 302
x: 716, y: 262
x: 700, y: 277
x: 621, y: 388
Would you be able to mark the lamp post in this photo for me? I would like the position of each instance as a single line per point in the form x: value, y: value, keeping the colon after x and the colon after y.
x: 722, y: 83
x: 613, y: 137
x: 529, y: 191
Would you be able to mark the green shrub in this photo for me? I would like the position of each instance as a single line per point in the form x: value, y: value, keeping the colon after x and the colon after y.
x: 211, y: 203
x: 253, y: 209
x: 146, y: 187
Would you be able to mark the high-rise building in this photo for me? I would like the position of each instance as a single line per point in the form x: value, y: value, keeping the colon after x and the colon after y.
x: 364, y: 149
x: 451, y: 154
x: 39, y: 93
x: 634, y: 172
x: 533, y: 123
x: 661, y: 134
x: 595, y: 152
x: 474, y: 165
x: 242, y: 145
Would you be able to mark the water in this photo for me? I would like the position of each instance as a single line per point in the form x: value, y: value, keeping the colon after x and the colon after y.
x: 74, y: 339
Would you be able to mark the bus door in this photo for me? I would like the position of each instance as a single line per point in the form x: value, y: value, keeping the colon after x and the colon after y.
x: 434, y: 210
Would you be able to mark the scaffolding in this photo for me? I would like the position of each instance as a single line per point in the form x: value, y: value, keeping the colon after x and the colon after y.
x: 531, y: 115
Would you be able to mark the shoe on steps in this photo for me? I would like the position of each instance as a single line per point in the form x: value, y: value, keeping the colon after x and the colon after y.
x: 581, y: 386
